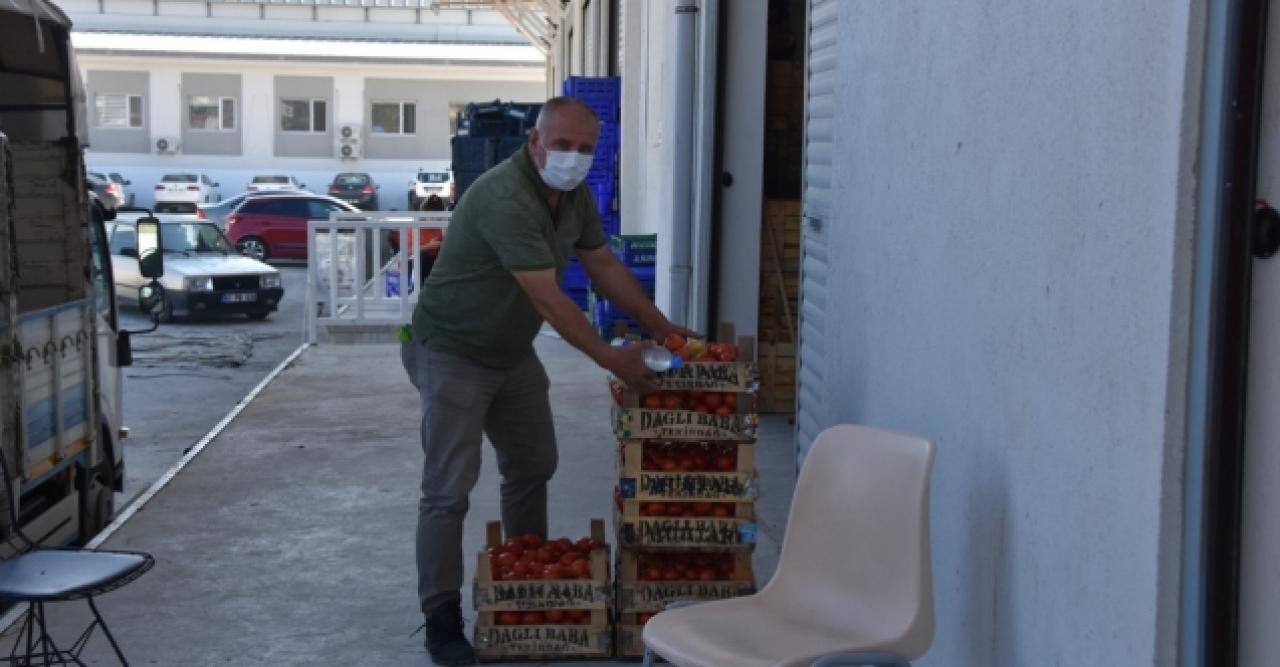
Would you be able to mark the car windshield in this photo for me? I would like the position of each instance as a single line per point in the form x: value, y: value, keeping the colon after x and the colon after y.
x: 179, y: 178
x: 433, y: 177
x: 271, y: 179
x: 189, y: 237
x: 97, y: 176
x: 351, y: 179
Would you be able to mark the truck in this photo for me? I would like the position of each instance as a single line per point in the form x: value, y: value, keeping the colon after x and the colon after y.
x: 61, y: 344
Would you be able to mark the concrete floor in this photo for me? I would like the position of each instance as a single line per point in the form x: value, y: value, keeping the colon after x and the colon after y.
x: 289, y: 540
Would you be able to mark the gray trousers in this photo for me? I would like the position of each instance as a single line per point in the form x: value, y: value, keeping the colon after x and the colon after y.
x: 461, y: 400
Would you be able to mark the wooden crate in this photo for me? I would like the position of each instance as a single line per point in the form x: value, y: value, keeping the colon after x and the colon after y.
x: 684, y: 533
x: 637, y: 595
x: 636, y: 483
x: 778, y: 373
x: 494, y: 642
x: 630, y: 641
x: 490, y: 594
x: 632, y: 422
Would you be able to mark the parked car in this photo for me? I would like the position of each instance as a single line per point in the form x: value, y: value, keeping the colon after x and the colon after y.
x: 274, y: 182
x: 203, y: 272
x: 439, y: 183
x: 359, y: 190
x: 123, y: 188
x: 217, y: 213
x: 275, y: 227
x: 180, y: 193
x: 102, y: 194
x: 109, y: 192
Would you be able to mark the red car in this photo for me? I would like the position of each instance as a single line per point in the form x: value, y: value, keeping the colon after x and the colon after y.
x: 275, y: 227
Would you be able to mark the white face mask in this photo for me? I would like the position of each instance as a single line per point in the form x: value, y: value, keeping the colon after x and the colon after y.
x: 564, y: 170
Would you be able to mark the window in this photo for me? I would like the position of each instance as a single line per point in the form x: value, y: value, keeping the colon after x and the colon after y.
x: 124, y: 238
x: 319, y: 209
x: 395, y: 117
x: 178, y: 178
x: 117, y: 110
x: 302, y: 115
x: 205, y: 112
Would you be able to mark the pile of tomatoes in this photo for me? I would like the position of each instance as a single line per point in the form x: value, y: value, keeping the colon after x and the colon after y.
x: 529, y: 557
x: 689, y: 457
x: 706, y: 402
x: 704, y: 509
x: 694, y: 566
x: 692, y: 349
x: 544, y: 617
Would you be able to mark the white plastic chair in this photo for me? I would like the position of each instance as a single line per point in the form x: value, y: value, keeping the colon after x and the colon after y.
x: 853, y: 584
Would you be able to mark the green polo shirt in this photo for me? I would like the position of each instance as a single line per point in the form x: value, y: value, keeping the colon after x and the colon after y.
x: 472, y: 305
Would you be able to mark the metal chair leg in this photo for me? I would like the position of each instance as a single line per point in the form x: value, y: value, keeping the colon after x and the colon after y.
x: 107, y: 631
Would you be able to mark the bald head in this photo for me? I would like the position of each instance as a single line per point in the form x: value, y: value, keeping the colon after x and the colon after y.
x: 569, y: 110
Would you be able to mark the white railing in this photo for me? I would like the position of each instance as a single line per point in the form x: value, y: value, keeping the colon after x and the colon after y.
x: 354, y: 279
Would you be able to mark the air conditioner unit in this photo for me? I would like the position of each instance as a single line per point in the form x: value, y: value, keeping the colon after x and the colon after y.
x: 166, y: 145
x: 349, y: 151
x: 349, y: 133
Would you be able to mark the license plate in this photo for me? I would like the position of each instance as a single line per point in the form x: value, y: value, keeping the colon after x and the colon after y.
x: 246, y: 297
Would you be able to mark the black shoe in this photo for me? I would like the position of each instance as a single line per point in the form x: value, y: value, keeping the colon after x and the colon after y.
x: 445, y: 641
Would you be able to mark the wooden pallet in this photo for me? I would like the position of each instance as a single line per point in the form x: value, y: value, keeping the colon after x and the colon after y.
x: 490, y: 594
x: 494, y: 642
x: 685, y: 533
x: 634, y: 482
x: 636, y: 595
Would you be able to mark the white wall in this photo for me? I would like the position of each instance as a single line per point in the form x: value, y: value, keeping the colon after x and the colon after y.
x: 1012, y: 220
x: 508, y: 83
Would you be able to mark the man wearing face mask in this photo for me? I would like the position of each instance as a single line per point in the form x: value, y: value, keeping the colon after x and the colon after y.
x: 496, y: 280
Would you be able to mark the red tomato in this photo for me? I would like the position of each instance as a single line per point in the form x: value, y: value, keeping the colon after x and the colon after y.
x: 568, y: 558
x: 554, y: 615
x: 685, y: 463
x: 508, y: 575
x: 711, y: 400
x: 730, y: 399
x: 703, y: 509
x: 724, y: 410
x: 513, y: 545
x: 671, y: 574
x: 583, y: 544
x: 584, y: 618
x: 674, y: 341
x: 703, y: 409
x: 532, y: 540
x: 671, y: 402
x: 552, y: 571
x: 532, y: 618
x: 508, y: 618
x: 545, y: 554
x: 653, y: 509
x: 652, y: 574
x: 653, y: 402
x: 726, y: 462
x: 506, y: 559
x: 582, y: 568
x: 564, y: 544
x: 723, y: 510
x: 520, y: 567
x: 707, y: 574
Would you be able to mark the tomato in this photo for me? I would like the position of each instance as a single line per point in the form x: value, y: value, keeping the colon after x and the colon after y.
x: 545, y: 554
x: 520, y: 568
x: 653, y: 402
x: 533, y: 540
x: 652, y: 574
x: 507, y: 559
x: 584, y: 618
x: 554, y: 615
x: 507, y: 618
x: 707, y: 574
x: 703, y: 509
x: 711, y: 400
x: 568, y: 558
x: 552, y: 571
x: 583, y: 544
x: 730, y: 399
x: 507, y: 575
x: 723, y: 510
x: 670, y: 574
x: 582, y: 568
x: 726, y: 462
x: 669, y: 464
x: 674, y: 341
x: 703, y: 409
x: 513, y: 545
x: 685, y: 463
x: 532, y: 618
x: 564, y: 544
x: 652, y: 509
x: 724, y: 410
x: 670, y: 402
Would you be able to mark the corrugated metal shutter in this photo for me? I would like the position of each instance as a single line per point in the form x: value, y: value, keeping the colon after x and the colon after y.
x: 819, y: 144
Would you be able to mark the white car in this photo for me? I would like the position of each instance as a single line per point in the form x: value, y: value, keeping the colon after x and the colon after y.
x: 274, y: 183
x: 203, y: 272
x: 428, y: 182
x: 179, y: 193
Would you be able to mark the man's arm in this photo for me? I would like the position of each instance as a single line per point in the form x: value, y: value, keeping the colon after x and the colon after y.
x: 614, y: 280
x: 563, y: 316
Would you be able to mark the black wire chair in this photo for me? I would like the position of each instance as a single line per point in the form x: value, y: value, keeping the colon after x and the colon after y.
x: 36, y: 575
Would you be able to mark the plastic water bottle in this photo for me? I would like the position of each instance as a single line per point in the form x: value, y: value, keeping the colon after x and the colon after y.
x: 657, y: 358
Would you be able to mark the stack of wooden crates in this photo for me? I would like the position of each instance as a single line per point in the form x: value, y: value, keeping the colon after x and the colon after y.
x: 685, y: 500
x: 543, y: 619
x: 779, y: 304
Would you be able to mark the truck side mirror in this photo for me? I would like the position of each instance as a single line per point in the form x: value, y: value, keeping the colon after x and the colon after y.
x: 151, y: 298
x: 150, y: 255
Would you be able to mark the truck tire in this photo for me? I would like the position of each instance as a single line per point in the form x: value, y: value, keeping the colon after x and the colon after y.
x: 98, y: 507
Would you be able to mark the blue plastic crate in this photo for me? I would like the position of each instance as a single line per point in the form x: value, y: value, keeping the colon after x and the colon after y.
x: 579, y: 297
x: 464, y: 179
x: 472, y: 154
x: 495, y: 127
x: 636, y: 249
x: 602, y: 94
x: 507, y: 146
x: 611, y: 223
x: 575, y: 277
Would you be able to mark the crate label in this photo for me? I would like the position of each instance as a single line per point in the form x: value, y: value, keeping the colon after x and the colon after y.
x: 722, y: 376
x: 567, y: 594
x: 539, y: 639
x: 655, y: 593
x: 685, y: 425
x: 679, y: 532
x: 693, y: 486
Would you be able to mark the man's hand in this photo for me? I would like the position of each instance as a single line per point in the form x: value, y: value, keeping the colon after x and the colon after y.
x: 627, y: 364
